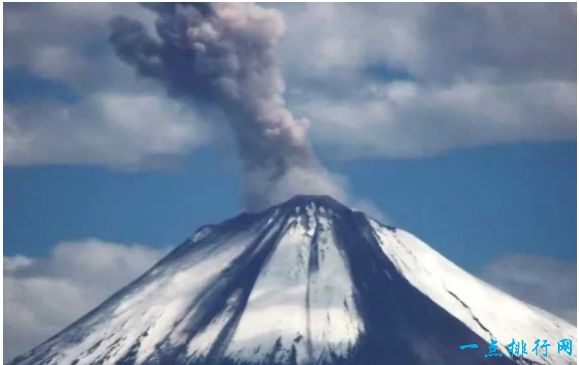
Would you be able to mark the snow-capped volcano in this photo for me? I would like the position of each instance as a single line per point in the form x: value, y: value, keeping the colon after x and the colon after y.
x: 306, y: 282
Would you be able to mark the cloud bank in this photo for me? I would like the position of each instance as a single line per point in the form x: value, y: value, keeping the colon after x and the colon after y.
x: 414, y: 80
x: 69, y: 100
x: 82, y: 273
x: 374, y: 80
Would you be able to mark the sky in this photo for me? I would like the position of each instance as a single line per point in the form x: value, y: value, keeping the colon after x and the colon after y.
x: 456, y: 122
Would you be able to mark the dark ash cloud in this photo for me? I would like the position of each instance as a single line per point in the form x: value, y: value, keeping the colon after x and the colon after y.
x: 226, y: 54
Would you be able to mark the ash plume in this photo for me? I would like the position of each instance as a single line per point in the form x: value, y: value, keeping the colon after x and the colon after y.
x: 226, y: 54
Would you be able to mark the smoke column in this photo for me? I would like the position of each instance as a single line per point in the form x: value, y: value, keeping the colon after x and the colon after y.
x: 226, y: 54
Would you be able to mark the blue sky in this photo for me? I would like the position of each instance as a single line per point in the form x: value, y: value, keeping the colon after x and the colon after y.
x: 470, y: 204
x: 456, y: 122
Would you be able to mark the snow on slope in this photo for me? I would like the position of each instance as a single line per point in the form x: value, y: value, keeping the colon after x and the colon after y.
x: 505, y: 317
x: 305, y: 282
x: 292, y: 305
x: 150, y: 310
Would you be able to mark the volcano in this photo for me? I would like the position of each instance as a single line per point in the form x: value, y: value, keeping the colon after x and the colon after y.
x: 308, y: 281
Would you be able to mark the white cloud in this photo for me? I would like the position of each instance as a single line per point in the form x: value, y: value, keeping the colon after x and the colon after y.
x: 432, y: 41
x: 412, y: 80
x: 66, y: 42
x: 115, y: 129
x: 410, y: 119
x: 79, y: 274
x: 115, y: 118
x: 545, y: 282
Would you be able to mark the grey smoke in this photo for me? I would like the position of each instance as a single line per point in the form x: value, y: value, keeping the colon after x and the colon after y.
x: 226, y: 54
